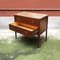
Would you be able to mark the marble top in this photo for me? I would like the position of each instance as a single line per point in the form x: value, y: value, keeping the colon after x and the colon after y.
x: 31, y: 15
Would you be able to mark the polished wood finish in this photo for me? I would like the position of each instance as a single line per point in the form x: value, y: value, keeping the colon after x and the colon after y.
x: 25, y: 29
x: 30, y: 24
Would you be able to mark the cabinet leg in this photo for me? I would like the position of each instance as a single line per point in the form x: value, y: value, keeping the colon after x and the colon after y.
x: 16, y: 35
x: 38, y: 41
x: 46, y: 36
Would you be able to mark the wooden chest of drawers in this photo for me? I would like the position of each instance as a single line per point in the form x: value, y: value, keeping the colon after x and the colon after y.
x: 30, y: 24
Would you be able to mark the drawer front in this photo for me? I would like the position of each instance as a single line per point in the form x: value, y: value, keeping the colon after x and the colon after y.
x: 27, y: 20
x: 19, y: 30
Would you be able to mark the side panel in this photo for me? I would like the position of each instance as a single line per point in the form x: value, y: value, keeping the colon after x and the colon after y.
x: 43, y: 24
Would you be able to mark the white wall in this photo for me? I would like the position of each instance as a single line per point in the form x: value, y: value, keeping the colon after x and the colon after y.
x: 4, y: 22
x: 54, y: 22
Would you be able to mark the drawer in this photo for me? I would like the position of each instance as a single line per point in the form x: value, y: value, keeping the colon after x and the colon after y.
x: 23, y: 29
x: 27, y: 20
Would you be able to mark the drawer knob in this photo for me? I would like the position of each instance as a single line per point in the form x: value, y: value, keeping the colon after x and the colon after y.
x: 32, y: 21
x: 25, y: 31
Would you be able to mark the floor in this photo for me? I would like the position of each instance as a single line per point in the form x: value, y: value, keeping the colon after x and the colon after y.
x: 22, y: 48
